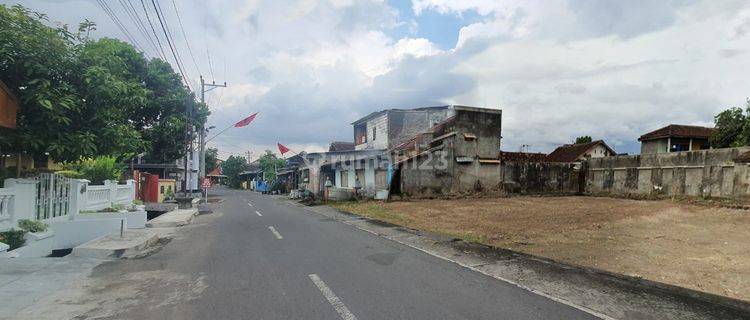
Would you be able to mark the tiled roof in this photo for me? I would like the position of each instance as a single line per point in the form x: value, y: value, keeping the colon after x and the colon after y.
x: 341, y: 146
x: 571, y: 152
x: 678, y: 131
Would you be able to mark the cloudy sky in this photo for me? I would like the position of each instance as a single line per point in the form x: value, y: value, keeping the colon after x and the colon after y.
x: 558, y: 69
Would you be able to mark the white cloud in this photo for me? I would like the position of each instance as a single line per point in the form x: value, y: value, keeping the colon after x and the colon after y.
x: 610, y: 69
x: 418, y: 48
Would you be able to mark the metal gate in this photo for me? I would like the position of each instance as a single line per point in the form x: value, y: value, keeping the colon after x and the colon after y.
x: 52, y: 196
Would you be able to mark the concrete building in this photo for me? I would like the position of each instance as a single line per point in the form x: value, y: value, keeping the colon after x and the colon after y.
x: 363, y: 166
x: 459, y: 154
x: 674, y: 138
x: 341, y: 146
x: 387, y: 128
x: 580, y: 151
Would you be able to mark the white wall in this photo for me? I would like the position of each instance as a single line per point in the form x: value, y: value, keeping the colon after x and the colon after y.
x: 380, y: 139
x: 597, y: 152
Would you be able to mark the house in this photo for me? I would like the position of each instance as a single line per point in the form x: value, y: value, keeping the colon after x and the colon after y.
x: 29, y: 163
x: 216, y: 175
x: 676, y: 137
x: 362, y: 166
x: 458, y: 154
x: 289, y: 175
x: 580, y: 151
x: 387, y: 128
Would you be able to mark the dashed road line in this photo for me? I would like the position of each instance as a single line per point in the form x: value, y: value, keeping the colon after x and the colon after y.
x: 332, y: 298
x: 249, y: 204
x: 258, y: 213
x: 275, y: 233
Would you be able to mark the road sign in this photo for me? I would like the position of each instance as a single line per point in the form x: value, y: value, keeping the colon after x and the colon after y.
x: 206, y: 183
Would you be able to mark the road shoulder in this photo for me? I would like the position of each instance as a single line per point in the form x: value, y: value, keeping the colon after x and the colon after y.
x: 604, y: 297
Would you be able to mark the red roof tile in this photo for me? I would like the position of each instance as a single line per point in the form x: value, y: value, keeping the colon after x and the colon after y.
x: 678, y: 131
x: 571, y: 152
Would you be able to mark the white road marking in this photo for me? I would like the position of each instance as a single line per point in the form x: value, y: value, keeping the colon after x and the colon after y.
x: 275, y: 233
x: 258, y: 213
x: 249, y: 204
x: 332, y: 298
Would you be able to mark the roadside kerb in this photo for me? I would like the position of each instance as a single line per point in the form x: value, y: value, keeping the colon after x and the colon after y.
x: 113, y: 245
x: 174, y: 218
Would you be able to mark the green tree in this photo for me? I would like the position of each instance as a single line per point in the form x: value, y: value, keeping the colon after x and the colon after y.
x: 212, y: 157
x: 269, y: 163
x: 232, y: 169
x: 731, y: 129
x: 83, y: 98
x: 583, y: 139
x: 38, y: 64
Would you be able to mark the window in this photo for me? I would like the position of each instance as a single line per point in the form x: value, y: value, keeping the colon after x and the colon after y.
x: 344, y: 176
x: 161, y: 189
x: 373, y: 134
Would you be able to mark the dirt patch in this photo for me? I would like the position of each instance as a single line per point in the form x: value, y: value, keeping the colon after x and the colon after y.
x: 697, y: 247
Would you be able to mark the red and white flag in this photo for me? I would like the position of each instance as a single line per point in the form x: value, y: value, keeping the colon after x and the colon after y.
x: 245, y: 121
x: 282, y: 148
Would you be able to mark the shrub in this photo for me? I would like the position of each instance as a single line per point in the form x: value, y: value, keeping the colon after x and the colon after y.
x: 32, y: 225
x: 96, y: 169
x: 138, y: 202
x: 13, y: 238
x: 70, y: 174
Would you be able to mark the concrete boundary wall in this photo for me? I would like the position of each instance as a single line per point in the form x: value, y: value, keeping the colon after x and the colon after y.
x: 704, y: 173
x: 541, y: 178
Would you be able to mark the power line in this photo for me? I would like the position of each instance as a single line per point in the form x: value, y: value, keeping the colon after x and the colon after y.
x: 148, y: 18
x: 160, y: 12
x: 210, y: 65
x: 136, y: 19
x: 184, y: 35
x: 119, y: 24
x: 171, y: 47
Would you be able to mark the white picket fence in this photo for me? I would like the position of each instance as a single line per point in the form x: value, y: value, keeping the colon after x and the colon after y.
x: 30, y: 198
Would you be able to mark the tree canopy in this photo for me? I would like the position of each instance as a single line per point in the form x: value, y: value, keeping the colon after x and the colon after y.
x: 732, y: 128
x: 84, y: 98
x: 212, y: 156
x: 583, y: 139
x: 270, y: 164
x: 232, y: 169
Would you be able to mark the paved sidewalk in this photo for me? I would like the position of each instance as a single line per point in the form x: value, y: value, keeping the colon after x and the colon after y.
x: 24, y: 282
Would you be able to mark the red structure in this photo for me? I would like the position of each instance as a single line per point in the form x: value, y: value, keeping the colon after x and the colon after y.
x: 150, y: 187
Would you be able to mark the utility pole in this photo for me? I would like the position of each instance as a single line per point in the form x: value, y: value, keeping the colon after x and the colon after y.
x: 188, y: 144
x: 210, y: 86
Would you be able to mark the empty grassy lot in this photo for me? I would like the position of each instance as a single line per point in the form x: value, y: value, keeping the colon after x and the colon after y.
x: 698, y: 247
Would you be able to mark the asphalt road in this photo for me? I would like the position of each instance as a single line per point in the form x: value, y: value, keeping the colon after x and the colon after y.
x: 262, y: 259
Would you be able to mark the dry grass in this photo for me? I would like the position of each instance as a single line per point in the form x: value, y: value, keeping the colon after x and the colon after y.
x: 697, y: 247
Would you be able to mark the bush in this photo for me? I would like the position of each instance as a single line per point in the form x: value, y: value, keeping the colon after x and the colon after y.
x: 32, y: 225
x: 13, y: 238
x: 95, y: 170
x: 114, y: 207
x: 70, y: 174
